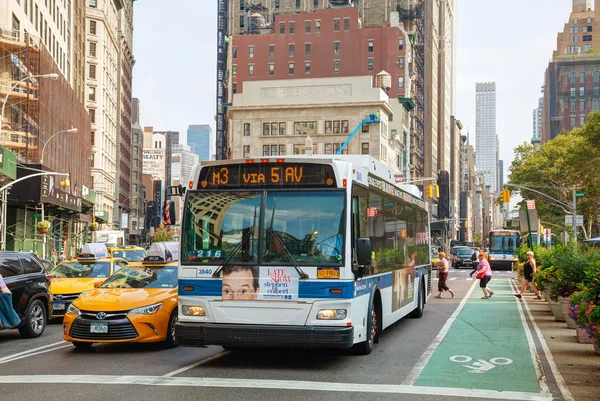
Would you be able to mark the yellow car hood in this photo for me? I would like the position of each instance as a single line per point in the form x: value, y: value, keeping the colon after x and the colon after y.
x: 73, y: 285
x: 122, y: 299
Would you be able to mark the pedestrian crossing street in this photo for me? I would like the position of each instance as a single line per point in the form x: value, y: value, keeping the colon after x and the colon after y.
x: 497, y: 274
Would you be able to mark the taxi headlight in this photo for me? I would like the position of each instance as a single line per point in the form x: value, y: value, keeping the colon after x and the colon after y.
x: 146, y: 310
x: 193, y: 310
x: 331, y: 314
x: 72, y: 310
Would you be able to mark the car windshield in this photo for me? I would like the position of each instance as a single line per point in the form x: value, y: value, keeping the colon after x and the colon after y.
x: 464, y: 252
x: 130, y: 255
x: 143, y: 277
x: 74, y: 269
x: 300, y: 227
x: 506, y: 243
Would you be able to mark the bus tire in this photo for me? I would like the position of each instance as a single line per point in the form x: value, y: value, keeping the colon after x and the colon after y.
x: 418, y: 311
x: 374, y: 329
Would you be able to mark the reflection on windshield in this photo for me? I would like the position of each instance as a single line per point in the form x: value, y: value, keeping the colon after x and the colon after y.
x: 143, y: 277
x: 503, y: 243
x: 217, y: 222
x: 308, y: 225
x: 80, y: 270
x: 130, y: 255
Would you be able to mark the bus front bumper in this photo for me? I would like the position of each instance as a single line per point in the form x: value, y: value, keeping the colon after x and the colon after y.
x: 245, y: 335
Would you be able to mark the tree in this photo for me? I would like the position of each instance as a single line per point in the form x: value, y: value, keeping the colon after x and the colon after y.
x: 162, y: 235
x: 568, y: 160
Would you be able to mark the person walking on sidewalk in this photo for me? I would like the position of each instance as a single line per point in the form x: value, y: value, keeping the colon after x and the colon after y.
x: 484, y: 274
x: 442, y: 266
x: 529, y: 269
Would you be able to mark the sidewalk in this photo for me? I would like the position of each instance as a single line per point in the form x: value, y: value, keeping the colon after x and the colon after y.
x: 578, y: 364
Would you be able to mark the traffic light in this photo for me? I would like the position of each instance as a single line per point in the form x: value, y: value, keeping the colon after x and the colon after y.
x: 437, y: 190
x: 429, y: 191
x: 65, y: 183
x: 505, y: 196
x: 541, y: 229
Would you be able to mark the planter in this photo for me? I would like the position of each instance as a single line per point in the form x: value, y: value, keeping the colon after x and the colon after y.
x: 582, y: 337
x: 570, y: 322
x: 596, y: 349
x: 546, y: 295
x: 42, y: 230
x: 558, y: 309
x: 94, y: 228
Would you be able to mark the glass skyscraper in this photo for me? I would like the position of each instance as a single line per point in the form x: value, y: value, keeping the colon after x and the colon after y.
x: 486, y: 141
x: 200, y: 140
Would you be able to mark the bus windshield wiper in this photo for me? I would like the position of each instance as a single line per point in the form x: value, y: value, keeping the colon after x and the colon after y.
x: 234, y: 252
x: 288, y: 253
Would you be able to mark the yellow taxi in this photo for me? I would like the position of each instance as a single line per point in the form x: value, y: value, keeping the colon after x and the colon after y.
x: 72, y: 277
x: 138, y: 303
x: 130, y: 253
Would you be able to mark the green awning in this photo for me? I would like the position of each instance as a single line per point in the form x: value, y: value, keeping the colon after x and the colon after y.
x: 408, y: 104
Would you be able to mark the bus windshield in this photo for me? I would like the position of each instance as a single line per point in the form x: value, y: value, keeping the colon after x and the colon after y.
x: 507, y: 243
x: 300, y: 227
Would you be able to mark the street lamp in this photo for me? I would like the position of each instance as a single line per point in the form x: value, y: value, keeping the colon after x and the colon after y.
x: 52, y: 76
x: 67, y: 131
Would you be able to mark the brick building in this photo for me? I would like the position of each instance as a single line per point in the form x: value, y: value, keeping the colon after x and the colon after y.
x: 321, y: 44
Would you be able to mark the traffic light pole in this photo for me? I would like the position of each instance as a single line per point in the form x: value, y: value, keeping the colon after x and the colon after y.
x: 575, y: 215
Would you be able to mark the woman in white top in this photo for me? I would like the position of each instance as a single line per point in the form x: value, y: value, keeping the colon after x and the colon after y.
x: 443, y: 275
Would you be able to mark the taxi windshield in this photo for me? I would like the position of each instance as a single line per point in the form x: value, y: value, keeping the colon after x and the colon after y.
x: 143, y: 277
x: 75, y: 269
x: 130, y: 255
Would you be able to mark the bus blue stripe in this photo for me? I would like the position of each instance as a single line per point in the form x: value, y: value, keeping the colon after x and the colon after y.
x: 307, y: 289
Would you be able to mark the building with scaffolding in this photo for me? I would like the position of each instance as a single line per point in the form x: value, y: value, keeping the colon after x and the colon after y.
x: 35, y: 110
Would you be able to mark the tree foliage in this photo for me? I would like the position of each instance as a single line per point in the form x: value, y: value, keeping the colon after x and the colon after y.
x: 571, y: 159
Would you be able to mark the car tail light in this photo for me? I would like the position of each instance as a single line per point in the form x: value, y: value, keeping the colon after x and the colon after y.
x: 49, y: 277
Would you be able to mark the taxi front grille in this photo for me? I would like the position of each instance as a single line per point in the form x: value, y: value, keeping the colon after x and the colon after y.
x: 118, y: 329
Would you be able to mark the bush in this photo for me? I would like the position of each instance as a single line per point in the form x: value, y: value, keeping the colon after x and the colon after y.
x: 43, y: 225
x: 162, y: 235
x: 585, y: 304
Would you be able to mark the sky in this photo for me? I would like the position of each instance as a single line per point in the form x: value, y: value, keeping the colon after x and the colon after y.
x: 509, y: 42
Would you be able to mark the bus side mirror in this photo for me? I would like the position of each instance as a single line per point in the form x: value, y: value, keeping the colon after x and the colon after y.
x: 363, y: 252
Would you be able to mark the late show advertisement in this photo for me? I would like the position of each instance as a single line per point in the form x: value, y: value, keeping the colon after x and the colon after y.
x: 402, y: 288
x: 249, y: 283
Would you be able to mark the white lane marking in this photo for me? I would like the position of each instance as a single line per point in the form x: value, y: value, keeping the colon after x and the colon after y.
x: 193, y: 365
x: 34, y: 353
x: 30, y: 351
x: 469, y: 279
x: 535, y: 358
x: 560, y: 382
x: 418, y: 368
x: 452, y: 278
x: 274, y: 384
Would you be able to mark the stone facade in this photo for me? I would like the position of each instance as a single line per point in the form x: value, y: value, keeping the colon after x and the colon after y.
x: 275, y: 118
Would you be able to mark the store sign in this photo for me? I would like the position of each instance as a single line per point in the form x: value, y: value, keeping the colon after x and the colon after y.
x: 52, y: 192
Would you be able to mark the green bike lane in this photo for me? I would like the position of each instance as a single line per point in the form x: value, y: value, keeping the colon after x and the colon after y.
x: 486, y: 347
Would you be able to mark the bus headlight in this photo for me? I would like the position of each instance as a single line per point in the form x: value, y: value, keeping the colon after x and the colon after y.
x: 331, y: 314
x: 492, y: 258
x: 191, y: 310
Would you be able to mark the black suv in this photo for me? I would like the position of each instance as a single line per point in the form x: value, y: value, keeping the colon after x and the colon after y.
x: 26, y: 279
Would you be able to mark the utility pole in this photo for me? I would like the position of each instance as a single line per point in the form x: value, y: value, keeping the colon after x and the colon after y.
x: 575, y: 215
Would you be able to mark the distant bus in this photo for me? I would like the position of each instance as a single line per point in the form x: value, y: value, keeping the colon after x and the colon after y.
x: 503, y: 246
x: 300, y: 252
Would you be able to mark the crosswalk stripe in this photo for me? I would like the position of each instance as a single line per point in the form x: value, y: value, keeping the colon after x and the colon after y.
x: 452, y: 278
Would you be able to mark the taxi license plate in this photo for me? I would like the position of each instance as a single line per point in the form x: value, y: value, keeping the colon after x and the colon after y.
x: 328, y: 273
x: 100, y: 328
x: 57, y: 305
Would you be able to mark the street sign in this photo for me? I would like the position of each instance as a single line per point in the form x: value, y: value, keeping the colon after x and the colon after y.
x: 530, y: 204
x: 569, y: 220
x: 579, y: 194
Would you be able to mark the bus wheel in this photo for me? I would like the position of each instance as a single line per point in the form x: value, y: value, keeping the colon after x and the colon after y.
x: 372, y: 332
x: 418, y: 311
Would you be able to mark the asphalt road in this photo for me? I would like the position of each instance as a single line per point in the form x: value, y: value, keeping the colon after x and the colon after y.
x: 48, y: 368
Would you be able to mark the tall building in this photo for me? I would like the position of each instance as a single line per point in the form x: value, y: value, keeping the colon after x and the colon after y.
x: 486, y: 139
x: 37, y: 113
x: 537, y: 122
x: 183, y: 162
x: 137, y: 224
x: 102, y: 101
x: 572, y: 79
x: 200, y: 140
x: 125, y: 64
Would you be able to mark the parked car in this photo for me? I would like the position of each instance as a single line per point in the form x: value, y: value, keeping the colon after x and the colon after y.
x: 462, y: 257
x: 26, y: 278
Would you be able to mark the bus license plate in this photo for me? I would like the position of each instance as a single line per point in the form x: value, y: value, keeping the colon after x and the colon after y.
x: 328, y: 273
x: 100, y: 328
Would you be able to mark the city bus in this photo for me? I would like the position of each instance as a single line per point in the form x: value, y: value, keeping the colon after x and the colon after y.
x: 503, y: 246
x: 307, y: 252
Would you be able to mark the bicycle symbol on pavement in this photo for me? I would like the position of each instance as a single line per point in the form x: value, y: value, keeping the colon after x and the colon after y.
x: 481, y: 365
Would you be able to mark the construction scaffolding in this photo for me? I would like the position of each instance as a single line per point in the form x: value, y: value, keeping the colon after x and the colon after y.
x: 20, y: 58
x: 412, y: 14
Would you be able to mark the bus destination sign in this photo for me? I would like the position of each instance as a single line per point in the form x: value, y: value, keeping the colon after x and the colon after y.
x: 269, y: 175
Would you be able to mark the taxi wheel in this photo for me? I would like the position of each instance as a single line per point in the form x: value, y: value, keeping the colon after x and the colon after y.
x: 170, y: 341
x: 81, y: 345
